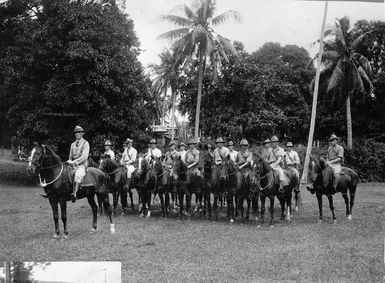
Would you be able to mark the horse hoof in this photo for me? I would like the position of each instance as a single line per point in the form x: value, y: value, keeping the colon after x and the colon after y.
x: 66, y: 236
x: 141, y: 215
x: 296, y: 208
x: 319, y: 220
x: 148, y: 214
x: 231, y: 220
x: 256, y: 219
x: 55, y: 236
x: 334, y: 221
x: 112, y: 228
x: 271, y: 226
x: 349, y: 217
x: 259, y: 226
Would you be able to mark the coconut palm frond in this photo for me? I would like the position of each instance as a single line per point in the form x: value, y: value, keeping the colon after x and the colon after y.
x: 357, y: 42
x: 198, y: 34
x: 227, y: 45
x: 365, y: 77
x: 177, y: 20
x: 331, y: 55
x: 340, y: 39
x: 364, y: 63
x: 226, y: 16
x: 173, y: 34
x: 328, y: 32
x: 189, y: 13
x: 336, y: 77
x: 358, y: 84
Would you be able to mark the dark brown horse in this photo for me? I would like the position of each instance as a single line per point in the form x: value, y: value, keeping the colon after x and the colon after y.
x: 267, y: 180
x: 322, y: 176
x: 236, y: 187
x: 55, y: 179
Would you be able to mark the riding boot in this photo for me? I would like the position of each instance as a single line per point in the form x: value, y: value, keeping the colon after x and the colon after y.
x: 43, y: 195
x: 75, y: 190
x: 336, y: 178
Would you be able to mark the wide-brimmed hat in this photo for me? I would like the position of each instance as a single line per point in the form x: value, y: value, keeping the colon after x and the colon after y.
x: 230, y: 143
x: 108, y: 143
x: 182, y: 144
x: 192, y: 141
x: 219, y: 140
x: 274, y: 139
x: 266, y: 141
x: 78, y: 129
x: 244, y: 142
x: 289, y: 144
x: 153, y: 141
x: 171, y: 143
x: 333, y: 137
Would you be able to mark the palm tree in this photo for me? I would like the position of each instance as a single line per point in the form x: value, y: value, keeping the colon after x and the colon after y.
x: 167, y: 76
x: 196, y: 37
x: 350, y: 70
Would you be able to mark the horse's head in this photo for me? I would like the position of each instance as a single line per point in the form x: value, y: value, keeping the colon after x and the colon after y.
x: 321, y: 173
x: 178, y: 169
x: 38, y: 154
x: 157, y: 168
x: 227, y: 169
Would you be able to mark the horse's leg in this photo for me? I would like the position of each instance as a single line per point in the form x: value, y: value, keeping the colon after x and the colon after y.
x: 188, y: 204
x: 94, y: 207
x: 161, y: 196
x: 143, y: 197
x: 167, y: 201
x: 115, y: 200
x: 148, y: 205
x: 352, y: 192
x: 346, y: 199
x: 230, y: 206
x: 55, y: 210
x: 319, y: 198
x: 248, y: 200
x: 237, y: 201
x: 272, y: 211
x: 108, y: 208
x: 131, y: 198
x: 208, y: 202
x: 255, y: 204
x: 263, y: 199
x: 123, y: 198
x: 215, y: 204
x: 63, y: 207
x: 296, y: 196
x: 100, y: 204
x: 180, y: 196
x: 288, y: 202
x: 282, y: 202
x: 330, y: 197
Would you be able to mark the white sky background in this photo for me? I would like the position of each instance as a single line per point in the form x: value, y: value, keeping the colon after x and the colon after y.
x: 286, y: 22
x: 83, y: 272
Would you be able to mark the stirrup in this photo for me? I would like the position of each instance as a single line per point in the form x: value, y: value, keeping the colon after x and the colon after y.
x: 43, y: 195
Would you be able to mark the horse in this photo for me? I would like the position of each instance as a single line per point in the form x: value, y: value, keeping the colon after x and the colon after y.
x: 267, y: 180
x: 322, y: 176
x: 49, y: 167
x: 117, y: 177
x: 180, y: 174
x: 236, y: 187
x: 209, y: 177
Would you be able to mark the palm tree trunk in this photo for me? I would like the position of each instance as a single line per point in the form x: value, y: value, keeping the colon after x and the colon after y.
x: 173, y: 114
x: 199, y: 97
x: 349, y: 122
x: 315, y: 95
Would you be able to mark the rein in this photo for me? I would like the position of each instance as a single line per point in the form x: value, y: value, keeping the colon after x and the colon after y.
x: 44, y: 184
x: 264, y: 176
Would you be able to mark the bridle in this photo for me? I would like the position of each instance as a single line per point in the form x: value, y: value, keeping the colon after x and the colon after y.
x: 258, y: 180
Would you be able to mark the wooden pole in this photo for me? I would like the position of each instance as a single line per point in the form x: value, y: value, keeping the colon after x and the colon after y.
x: 315, y: 95
x: 7, y: 272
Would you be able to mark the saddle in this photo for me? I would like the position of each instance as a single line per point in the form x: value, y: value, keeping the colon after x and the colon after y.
x: 288, y: 176
x: 93, y: 178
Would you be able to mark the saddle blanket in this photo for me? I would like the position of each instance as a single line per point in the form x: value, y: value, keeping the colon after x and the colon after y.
x: 93, y: 178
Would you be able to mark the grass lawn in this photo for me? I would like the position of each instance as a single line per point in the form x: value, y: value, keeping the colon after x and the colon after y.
x: 158, y: 249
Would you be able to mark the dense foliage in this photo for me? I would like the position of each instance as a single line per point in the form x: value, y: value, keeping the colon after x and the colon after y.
x: 66, y: 62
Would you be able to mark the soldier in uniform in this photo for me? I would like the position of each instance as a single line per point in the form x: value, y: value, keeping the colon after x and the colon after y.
x: 210, y: 151
x: 334, y: 160
x: 79, y: 152
x: 266, y: 149
x: 220, y: 152
x: 233, y: 153
x: 244, y: 159
x: 153, y: 152
x: 292, y: 160
x: 275, y: 159
x: 129, y: 160
x: 192, y: 160
x: 108, y: 151
x: 170, y: 156
x: 182, y: 152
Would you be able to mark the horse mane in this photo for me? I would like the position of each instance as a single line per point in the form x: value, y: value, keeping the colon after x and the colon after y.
x: 52, y: 153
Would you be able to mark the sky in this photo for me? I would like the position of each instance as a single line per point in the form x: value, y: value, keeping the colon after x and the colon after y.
x: 285, y: 21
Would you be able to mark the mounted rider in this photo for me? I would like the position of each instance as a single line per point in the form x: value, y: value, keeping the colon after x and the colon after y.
x: 266, y: 149
x: 153, y: 152
x: 233, y: 153
x: 170, y: 156
x: 275, y: 159
x: 77, y: 160
x: 334, y: 160
x: 220, y: 152
x: 244, y: 159
x: 108, y: 151
x: 291, y: 159
x: 182, y: 152
x: 129, y: 160
x: 192, y: 160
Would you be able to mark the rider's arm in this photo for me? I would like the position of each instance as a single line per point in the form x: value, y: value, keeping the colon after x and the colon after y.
x: 85, y: 154
x: 133, y: 158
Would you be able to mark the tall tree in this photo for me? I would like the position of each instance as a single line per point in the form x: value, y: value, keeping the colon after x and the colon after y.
x: 350, y: 70
x: 167, y: 77
x: 196, y: 37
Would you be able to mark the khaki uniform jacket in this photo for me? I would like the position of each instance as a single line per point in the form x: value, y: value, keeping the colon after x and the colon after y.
x: 192, y: 156
x: 79, y: 152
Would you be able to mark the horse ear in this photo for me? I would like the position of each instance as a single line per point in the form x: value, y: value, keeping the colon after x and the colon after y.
x: 322, y: 163
x: 228, y: 157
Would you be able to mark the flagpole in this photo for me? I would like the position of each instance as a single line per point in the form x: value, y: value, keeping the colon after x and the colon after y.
x: 315, y: 95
